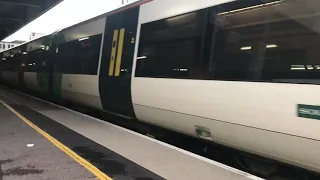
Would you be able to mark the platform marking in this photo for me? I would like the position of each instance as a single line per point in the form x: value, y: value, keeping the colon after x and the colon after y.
x: 9, y: 98
x: 94, y: 170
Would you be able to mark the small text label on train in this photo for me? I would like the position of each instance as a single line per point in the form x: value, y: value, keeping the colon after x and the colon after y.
x: 309, y: 111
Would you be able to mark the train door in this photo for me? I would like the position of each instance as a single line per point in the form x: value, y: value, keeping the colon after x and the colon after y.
x: 117, y: 61
x: 1, y: 67
x: 20, y: 65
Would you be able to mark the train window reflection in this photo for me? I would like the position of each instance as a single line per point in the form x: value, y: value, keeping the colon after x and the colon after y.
x: 79, y: 56
x: 263, y: 42
x: 170, y: 44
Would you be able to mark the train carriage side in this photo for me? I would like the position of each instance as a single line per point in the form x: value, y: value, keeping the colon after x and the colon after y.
x: 1, y: 66
x: 240, y: 73
x: 76, y: 56
x: 11, y: 67
x: 36, y: 74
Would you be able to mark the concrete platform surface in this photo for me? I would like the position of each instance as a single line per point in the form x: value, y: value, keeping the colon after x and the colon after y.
x: 43, y: 161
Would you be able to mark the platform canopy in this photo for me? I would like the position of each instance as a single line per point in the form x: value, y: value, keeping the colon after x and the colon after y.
x: 14, y: 14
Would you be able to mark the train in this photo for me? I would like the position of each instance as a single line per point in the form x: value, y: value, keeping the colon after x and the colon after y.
x: 244, y: 74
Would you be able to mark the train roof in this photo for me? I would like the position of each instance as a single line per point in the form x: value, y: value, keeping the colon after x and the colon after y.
x: 122, y: 8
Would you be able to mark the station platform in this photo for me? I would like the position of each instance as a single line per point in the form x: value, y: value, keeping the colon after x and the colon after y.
x: 72, y: 145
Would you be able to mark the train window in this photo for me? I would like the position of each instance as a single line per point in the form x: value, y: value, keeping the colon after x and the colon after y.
x: 252, y: 40
x: 273, y: 41
x: 35, y: 60
x: 79, y: 56
x: 239, y: 40
x: 170, y: 48
x: 11, y: 63
x: 297, y: 36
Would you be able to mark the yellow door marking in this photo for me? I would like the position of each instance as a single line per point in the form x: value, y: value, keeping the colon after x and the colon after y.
x: 94, y: 170
x: 119, y: 54
x: 113, y: 51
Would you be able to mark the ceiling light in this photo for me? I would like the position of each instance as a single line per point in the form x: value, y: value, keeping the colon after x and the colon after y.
x: 142, y: 57
x: 272, y: 46
x: 245, y: 48
x: 297, y: 68
x: 251, y: 7
x: 85, y: 38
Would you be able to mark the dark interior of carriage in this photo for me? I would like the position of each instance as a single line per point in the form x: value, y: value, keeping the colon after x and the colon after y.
x: 276, y: 42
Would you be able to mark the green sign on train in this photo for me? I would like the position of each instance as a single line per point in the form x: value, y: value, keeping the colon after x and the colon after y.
x: 309, y: 111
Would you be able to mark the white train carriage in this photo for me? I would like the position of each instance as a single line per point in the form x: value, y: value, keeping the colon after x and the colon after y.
x: 247, y: 92
x: 80, y: 44
x: 35, y: 75
x: 9, y: 72
x: 241, y: 73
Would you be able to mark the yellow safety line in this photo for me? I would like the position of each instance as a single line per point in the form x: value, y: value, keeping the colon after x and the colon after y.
x: 113, y: 51
x: 94, y: 170
x: 119, y: 54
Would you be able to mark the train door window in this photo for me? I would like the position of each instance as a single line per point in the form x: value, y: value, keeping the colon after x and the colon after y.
x: 88, y: 54
x: 12, y: 62
x: 64, y: 62
x: 30, y: 63
x: 169, y: 48
x: 80, y: 56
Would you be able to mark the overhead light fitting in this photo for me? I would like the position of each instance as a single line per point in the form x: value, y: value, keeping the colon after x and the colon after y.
x: 272, y: 46
x: 85, y: 38
x: 245, y: 48
x: 142, y: 57
x: 251, y: 7
x: 180, y: 69
x: 297, y: 68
